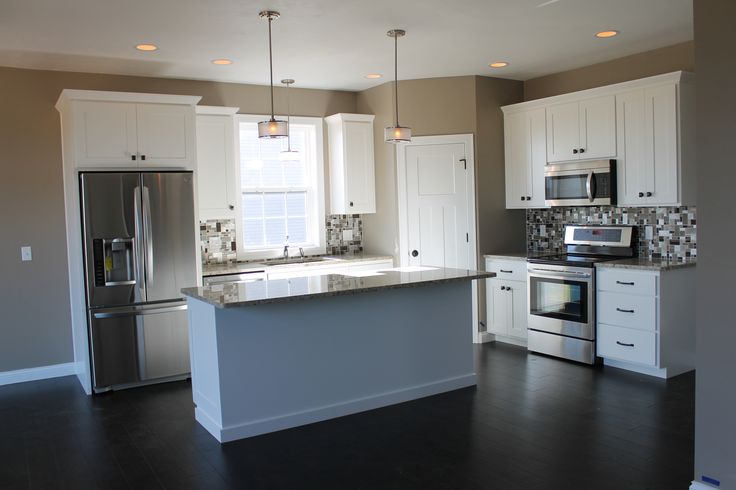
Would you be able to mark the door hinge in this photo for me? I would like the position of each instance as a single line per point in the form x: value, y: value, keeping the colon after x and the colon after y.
x: 465, y: 163
x: 467, y: 238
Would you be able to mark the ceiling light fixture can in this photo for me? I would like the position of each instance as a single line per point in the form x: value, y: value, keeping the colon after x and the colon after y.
x: 288, y: 155
x: 273, y: 128
x: 373, y: 76
x: 146, y: 47
x: 606, y: 34
x: 222, y: 61
x: 396, y: 133
x: 499, y: 64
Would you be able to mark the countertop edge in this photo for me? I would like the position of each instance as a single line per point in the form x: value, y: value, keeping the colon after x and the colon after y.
x: 255, y: 266
x: 191, y: 292
x: 644, y: 266
x: 518, y: 256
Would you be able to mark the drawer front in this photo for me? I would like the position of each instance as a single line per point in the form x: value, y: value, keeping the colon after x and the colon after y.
x: 627, y: 344
x: 627, y: 281
x: 508, y: 270
x: 627, y: 310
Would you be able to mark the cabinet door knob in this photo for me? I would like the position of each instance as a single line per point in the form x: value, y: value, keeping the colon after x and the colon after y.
x: 143, y: 157
x: 582, y: 150
x: 503, y: 288
x: 351, y: 204
x: 231, y: 207
x: 528, y: 198
x: 132, y: 157
x: 414, y: 253
x: 641, y: 194
x: 508, y: 288
x: 649, y: 194
x: 575, y: 150
x: 522, y: 198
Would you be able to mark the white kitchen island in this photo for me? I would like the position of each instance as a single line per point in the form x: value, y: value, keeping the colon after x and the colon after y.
x: 269, y: 355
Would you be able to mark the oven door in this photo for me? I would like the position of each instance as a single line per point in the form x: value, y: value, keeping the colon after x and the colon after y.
x: 580, y: 184
x: 561, y: 300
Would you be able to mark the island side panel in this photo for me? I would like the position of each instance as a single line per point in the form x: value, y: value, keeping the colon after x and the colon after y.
x: 203, y: 357
x: 292, y: 363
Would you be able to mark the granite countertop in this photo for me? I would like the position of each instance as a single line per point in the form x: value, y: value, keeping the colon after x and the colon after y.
x: 257, y: 292
x: 520, y: 256
x: 643, y: 263
x: 243, y: 267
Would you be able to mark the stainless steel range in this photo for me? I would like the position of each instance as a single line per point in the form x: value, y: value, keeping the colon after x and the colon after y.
x: 561, y: 290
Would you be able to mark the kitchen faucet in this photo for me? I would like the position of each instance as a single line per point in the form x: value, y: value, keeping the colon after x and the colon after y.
x: 286, y: 247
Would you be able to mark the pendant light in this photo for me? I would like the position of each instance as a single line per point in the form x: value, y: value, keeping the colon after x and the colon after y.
x: 272, y: 128
x: 396, y: 133
x: 288, y: 155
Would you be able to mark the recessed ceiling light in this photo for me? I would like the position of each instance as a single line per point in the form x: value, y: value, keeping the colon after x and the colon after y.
x: 373, y: 76
x: 605, y: 34
x: 498, y: 64
x: 222, y: 61
x: 146, y: 47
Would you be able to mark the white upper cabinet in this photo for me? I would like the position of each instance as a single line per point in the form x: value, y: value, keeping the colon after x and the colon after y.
x: 166, y: 135
x: 105, y: 133
x: 122, y: 130
x: 582, y: 130
x: 646, y: 125
x: 525, y: 148
x: 654, y: 163
x: 217, y: 168
x: 352, y: 171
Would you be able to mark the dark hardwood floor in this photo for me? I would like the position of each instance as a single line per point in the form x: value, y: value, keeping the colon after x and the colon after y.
x: 532, y: 422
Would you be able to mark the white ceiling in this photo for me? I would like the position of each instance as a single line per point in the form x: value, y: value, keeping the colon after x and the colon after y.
x: 332, y: 43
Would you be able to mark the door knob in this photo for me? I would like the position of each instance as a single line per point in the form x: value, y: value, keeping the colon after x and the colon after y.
x: 641, y: 194
x: 575, y: 150
x: 231, y: 207
x: 351, y: 204
x: 528, y: 198
x: 414, y: 253
x: 503, y: 288
x: 522, y: 198
x: 649, y: 194
x: 582, y: 150
x: 143, y: 157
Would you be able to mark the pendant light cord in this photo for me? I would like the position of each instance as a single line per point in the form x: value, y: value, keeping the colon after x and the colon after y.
x: 288, y: 117
x: 270, y: 64
x: 396, y: 77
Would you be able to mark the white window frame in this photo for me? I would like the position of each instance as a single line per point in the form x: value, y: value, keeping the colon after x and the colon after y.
x: 315, y: 199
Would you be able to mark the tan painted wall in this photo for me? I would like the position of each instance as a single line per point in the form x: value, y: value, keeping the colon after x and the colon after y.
x: 35, y: 328
x: 664, y: 60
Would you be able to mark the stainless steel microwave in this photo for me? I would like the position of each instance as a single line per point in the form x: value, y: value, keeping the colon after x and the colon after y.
x: 591, y: 183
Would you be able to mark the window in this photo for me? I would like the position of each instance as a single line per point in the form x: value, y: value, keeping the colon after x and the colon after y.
x: 280, y: 197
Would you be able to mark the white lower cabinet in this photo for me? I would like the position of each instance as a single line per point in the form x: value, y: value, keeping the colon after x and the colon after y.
x: 646, y: 319
x: 506, y: 301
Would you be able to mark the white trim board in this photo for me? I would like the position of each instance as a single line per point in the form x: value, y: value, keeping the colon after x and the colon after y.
x: 696, y: 485
x: 37, y: 373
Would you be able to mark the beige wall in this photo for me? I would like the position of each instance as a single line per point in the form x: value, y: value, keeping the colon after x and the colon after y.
x: 35, y: 328
x: 664, y: 60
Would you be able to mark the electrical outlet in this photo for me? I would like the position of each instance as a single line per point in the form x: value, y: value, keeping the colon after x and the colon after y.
x: 25, y: 253
x: 347, y: 235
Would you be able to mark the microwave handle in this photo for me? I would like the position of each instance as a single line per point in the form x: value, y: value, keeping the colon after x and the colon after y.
x: 590, y: 187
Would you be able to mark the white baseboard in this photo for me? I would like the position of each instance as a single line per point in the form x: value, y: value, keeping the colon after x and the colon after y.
x: 287, y: 421
x: 511, y: 340
x: 34, y: 374
x: 484, y: 337
x: 650, y: 371
x: 696, y: 485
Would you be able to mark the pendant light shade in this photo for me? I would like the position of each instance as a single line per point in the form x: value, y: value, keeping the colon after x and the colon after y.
x: 396, y: 133
x: 288, y: 155
x: 273, y: 128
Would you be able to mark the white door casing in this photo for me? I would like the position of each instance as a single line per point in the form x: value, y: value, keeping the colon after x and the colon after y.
x: 436, y: 197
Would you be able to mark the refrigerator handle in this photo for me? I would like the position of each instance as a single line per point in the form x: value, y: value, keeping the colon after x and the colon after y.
x: 148, y: 230
x: 139, y: 252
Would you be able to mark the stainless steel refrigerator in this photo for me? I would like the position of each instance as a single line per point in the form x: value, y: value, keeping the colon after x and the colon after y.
x: 139, y: 251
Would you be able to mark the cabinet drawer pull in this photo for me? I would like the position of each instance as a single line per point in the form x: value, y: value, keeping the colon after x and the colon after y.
x: 624, y: 344
x: 624, y: 311
x: 625, y: 283
x: 506, y: 272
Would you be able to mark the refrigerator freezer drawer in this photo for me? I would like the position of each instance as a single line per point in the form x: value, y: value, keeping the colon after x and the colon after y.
x: 138, y: 344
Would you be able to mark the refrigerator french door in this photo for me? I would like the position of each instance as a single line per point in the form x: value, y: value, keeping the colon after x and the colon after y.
x: 139, y: 246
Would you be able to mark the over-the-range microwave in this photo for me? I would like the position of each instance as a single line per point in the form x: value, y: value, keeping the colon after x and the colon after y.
x: 591, y: 183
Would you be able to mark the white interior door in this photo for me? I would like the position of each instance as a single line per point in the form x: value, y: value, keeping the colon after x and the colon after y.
x: 437, y: 204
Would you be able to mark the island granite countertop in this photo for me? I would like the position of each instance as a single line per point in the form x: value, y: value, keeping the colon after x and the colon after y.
x: 228, y: 295
x: 644, y: 263
x: 255, y: 266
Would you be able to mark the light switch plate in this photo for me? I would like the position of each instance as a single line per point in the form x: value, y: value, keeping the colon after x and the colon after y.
x: 25, y: 253
x: 347, y: 235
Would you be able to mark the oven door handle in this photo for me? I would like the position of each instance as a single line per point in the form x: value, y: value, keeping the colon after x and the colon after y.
x: 552, y: 272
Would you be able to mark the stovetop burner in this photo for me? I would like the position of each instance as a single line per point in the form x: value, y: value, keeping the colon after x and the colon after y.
x: 569, y: 259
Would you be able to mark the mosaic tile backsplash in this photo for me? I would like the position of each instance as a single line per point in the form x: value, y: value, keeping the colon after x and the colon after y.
x: 664, y: 232
x: 218, y: 238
